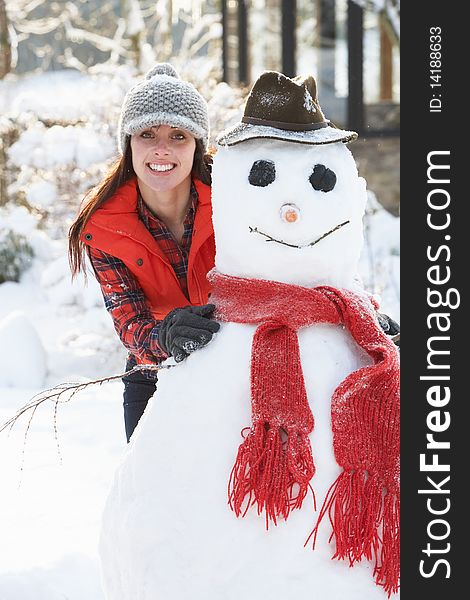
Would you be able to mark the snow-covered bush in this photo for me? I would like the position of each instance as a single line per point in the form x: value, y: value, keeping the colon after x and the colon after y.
x: 15, y: 255
x: 64, y: 140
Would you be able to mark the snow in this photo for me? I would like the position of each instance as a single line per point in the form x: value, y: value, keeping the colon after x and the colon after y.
x: 53, y: 331
x: 135, y: 20
x: 64, y: 95
x: 308, y: 102
x: 42, y: 194
x: 55, y: 146
x: 25, y: 354
x: 51, y: 504
x: 380, y: 259
x: 52, y: 500
x: 245, y: 131
x: 19, y: 219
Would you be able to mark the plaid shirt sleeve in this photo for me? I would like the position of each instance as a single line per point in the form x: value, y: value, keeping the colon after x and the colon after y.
x: 125, y: 301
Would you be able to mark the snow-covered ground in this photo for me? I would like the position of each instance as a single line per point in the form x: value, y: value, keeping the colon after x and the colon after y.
x: 53, y: 331
x: 53, y: 490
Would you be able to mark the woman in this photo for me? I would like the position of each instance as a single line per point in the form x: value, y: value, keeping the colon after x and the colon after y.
x: 148, y: 233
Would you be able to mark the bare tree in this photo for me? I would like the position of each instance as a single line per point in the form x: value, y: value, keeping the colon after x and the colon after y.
x: 78, y: 35
x: 135, y: 29
x: 5, y: 43
x: 93, y: 34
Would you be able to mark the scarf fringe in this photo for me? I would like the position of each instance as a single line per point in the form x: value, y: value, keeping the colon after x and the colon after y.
x: 273, y: 469
x: 388, y: 573
x: 365, y: 524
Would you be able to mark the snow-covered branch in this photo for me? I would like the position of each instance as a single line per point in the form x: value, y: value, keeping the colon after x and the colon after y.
x: 64, y: 392
x: 389, y: 9
x: 101, y: 42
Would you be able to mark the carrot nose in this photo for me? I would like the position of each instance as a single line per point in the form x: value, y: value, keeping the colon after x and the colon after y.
x: 290, y: 213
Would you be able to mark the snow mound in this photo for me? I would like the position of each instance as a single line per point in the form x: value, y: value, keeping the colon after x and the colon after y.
x: 22, y: 355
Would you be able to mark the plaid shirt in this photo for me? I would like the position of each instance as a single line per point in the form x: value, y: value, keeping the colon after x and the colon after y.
x: 124, y: 298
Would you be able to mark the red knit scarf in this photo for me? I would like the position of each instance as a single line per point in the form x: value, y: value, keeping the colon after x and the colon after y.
x: 274, y: 464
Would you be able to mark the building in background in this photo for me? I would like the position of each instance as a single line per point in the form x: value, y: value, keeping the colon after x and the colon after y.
x: 351, y: 47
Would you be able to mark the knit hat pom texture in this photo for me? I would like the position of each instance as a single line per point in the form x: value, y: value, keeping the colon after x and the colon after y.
x: 162, y: 69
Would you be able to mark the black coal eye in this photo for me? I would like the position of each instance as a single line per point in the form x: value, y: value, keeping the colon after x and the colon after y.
x: 262, y: 173
x: 322, y: 178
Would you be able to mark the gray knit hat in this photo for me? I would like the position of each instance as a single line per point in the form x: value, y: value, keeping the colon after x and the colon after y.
x: 162, y: 98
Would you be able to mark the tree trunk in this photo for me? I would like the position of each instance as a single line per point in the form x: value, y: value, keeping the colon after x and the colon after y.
x: 135, y: 29
x: 166, y: 33
x: 386, y: 63
x: 5, y: 46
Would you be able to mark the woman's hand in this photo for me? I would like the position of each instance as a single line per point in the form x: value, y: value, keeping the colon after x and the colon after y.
x: 390, y: 327
x: 184, y: 330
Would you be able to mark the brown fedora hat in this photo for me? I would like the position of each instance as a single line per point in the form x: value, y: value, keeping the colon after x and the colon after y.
x: 282, y: 108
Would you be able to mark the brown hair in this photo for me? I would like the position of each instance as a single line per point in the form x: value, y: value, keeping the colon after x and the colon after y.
x: 120, y: 172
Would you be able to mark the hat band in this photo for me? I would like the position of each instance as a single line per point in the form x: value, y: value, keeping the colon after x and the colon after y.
x: 286, y: 126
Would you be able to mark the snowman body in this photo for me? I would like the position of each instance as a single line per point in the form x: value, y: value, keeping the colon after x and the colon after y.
x: 168, y: 531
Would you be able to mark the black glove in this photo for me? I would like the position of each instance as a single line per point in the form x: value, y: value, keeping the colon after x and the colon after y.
x: 184, y: 330
x: 389, y: 326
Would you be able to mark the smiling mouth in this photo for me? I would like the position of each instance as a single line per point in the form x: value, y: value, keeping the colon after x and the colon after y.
x: 161, y: 168
x: 269, y: 238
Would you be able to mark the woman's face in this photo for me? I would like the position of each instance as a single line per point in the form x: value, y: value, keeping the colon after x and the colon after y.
x: 162, y: 156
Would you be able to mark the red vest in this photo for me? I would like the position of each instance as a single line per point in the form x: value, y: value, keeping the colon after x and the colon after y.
x: 115, y: 228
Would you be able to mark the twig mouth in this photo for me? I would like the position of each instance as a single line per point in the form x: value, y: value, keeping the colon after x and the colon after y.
x: 269, y: 238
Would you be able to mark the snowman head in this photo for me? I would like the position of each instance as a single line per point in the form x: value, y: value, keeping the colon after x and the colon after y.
x: 287, y: 200
x: 288, y: 211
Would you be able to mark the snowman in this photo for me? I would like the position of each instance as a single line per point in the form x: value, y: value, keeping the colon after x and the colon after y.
x: 267, y: 464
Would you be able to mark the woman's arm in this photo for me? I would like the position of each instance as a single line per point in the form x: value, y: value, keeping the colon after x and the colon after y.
x: 125, y: 301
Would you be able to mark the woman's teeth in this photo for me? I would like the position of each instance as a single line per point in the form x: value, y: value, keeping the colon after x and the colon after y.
x: 161, y: 168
